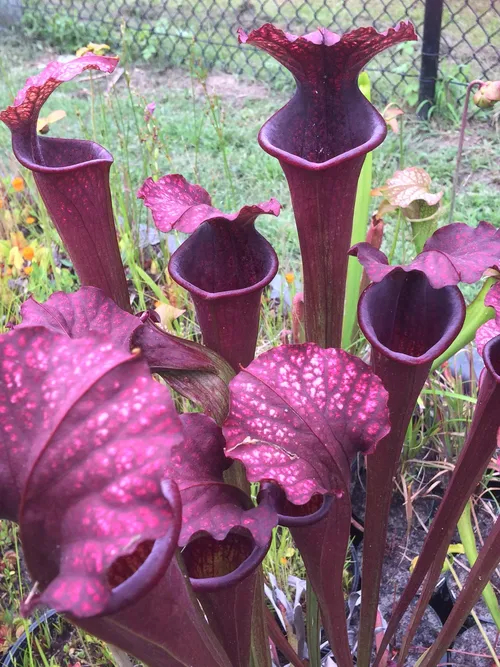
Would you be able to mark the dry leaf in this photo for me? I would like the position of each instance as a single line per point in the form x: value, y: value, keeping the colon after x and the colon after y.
x: 42, y: 124
x: 390, y: 114
x: 17, y: 239
x: 408, y: 190
x: 15, y: 258
x: 487, y: 95
x: 168, y: 314
x: 408, y: 186
x: 10, y: 558
x: 97, y: 49
x: 375, y: 232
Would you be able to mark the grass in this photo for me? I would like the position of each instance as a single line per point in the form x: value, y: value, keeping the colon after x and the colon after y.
x: 205, y: 128
x: 54, y: 642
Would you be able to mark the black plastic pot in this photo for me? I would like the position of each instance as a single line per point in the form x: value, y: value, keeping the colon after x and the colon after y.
x: 442, y: 602
x: 466, y: 364
x: 493, y: 490
x: 15, y: 655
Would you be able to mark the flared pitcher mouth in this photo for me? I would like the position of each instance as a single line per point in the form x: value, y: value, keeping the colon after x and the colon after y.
x: 379, y: 132
x: 292, y: 515
x: 58, y: 155
x: 249, y: 558
x: 491, y: 356
x: 38, y: 153
x: 298, y: 516
x: 328, y: 120
x: 184, y: 270
x: 407, y: 320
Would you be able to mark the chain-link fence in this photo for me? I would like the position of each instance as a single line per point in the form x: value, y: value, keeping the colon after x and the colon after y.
x: 182, y: 32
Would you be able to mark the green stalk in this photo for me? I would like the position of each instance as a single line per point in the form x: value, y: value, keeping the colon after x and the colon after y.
x: 360, y: 224
x: 397, y: 231
x: 466, y: 533
x: 313, y: 629
x: 477, y: 314
x: 422, y: 230
x: 92, y: 108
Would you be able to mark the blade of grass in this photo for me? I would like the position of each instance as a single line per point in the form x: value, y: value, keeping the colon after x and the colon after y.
x: 466, y: 533
x: 41, y: 653
x: 450, y: 394
x: 85, y: 647
x: 157, y: 291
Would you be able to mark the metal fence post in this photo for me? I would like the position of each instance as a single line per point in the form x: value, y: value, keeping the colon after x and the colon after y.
x: 430, y: 55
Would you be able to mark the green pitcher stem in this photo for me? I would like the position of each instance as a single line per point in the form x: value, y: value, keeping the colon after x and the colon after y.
x: 359, y: 227
x: 466, y: 532
x: 477, y: 315
x: 421, y: 231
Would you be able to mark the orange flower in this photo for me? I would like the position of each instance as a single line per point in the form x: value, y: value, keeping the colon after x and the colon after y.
x: 30, y: 220
x: 18, y: 184
x: 289, y: 277
x: 28, y: 270
x: 28, y: 253
x: 2, y: 203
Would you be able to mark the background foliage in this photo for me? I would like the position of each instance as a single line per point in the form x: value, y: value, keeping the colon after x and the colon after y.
x: 173, y: 31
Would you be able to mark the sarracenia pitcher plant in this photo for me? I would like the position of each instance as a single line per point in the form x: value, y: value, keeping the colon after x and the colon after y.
x: 132, y: 522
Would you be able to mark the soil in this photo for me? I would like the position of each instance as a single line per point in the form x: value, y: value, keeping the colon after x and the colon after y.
x: 226, y: 86
x: 470, y: 648
x: 402, y: 546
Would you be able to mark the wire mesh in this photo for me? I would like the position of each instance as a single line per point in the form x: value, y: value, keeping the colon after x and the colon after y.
x: 180, y: 32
